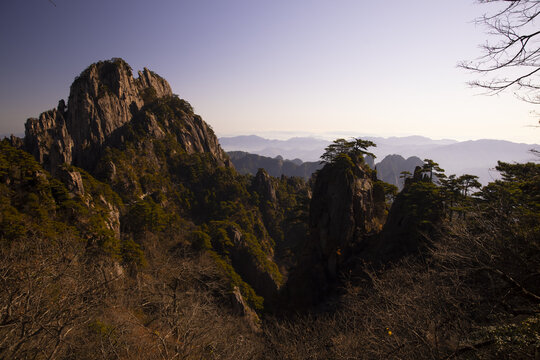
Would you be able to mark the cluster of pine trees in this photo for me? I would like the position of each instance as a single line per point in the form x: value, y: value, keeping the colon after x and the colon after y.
x: 156, y: 252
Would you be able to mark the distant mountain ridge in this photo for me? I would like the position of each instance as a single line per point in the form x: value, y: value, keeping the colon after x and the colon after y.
x: 6, y: 135
x: 246, y: 163
x: 304, y: 148
x: 476, y: 157
x: 388, y: 170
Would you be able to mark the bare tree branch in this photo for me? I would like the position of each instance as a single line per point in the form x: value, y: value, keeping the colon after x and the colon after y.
x: 513, y: 57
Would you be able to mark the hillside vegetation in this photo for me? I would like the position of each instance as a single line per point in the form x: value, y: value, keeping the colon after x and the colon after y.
x: 126, y: 233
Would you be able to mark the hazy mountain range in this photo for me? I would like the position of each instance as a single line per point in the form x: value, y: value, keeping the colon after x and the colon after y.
x: 476, y: 157
x: 246, y: 163
x: 124, y: 227
x: 388, y: 170
x: 304, y: 148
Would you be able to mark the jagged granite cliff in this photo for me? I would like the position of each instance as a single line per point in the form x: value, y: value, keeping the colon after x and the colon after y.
x: 167, y: 167
x: 345, y: 211
x: 102, y: 101
x: 164, y: 163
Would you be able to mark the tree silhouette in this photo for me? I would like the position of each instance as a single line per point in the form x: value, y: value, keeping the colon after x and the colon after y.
x: 513, y: 58
x: 356, y: 148
x: 433, y: 168
x: 467, y: 182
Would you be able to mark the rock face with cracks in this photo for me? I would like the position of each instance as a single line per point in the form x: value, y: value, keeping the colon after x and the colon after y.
x: 262, y: 184
x: 344, y: 213
x: 105, y: 98
x: 159, y: 157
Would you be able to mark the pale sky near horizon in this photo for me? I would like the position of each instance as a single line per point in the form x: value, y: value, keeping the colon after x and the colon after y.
x: 385, y: 68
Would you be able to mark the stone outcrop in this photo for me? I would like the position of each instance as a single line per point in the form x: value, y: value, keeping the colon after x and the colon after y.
x: 262, y: 185
x: 241, y: 308
x: 112, y: 214
x: 102, y: 100
x: 413, y: 220
x: 105, y: 97
x: 72, y: 180
x: 253, y: 265
x: 198, y: 136
x: 48, y: 139
x: 345, y: 212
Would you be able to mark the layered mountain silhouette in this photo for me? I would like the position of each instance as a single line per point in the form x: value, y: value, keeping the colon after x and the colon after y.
x: 246, y: 163
x: 304, y: 148
x: 143, y: 162
x: 388, y: 170
x: 126, y: 231
x: 475, y: 157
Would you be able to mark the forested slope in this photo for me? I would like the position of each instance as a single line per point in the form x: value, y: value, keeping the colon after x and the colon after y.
x: 125, y: 232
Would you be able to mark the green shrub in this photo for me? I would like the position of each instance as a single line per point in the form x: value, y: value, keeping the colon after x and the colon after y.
x: 149, y: 95
x: 254, y: 300
x: 200, y: 240
x: 146, y: 215
x: 132, y: 253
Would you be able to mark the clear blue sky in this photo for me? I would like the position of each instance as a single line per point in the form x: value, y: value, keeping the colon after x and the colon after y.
x: 253, y: 66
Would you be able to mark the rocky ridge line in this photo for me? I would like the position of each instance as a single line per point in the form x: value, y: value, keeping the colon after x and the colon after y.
x: 102, y: 100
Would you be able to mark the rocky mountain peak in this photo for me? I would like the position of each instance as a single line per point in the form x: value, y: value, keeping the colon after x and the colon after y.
x: 103, y: 99
x: 115, y: 77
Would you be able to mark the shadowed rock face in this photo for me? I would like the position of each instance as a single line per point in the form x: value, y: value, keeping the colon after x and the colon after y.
x: 413, y: 221
x: 103, y: 99
x: 48, y: 139
x: 262, y: 184
x: 250, y: 269
x: 344, y: 213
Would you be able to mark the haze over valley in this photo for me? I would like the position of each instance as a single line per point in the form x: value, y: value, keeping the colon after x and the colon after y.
x: 475, y: 157
x: 379, y: 204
